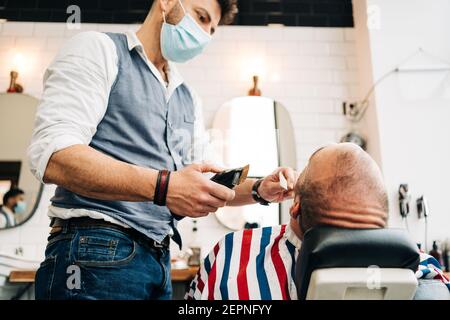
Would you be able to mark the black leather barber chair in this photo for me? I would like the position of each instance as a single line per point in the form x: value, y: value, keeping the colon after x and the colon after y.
x: 351, y: 264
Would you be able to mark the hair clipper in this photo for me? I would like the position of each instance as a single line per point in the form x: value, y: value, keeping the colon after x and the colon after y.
x: 232, y: 177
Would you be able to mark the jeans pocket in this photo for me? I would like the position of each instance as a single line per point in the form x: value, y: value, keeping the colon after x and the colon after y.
x: 44, y: 278
x: 102, y: 247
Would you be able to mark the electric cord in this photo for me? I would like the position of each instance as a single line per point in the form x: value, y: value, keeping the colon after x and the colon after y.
x: 365, y: 102
x: 405, y: 221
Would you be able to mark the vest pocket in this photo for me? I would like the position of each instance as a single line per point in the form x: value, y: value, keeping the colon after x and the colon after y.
x: 189, y: 118
x: 180, y: 139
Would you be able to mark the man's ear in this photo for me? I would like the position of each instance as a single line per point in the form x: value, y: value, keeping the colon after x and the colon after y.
x: 295, y: 208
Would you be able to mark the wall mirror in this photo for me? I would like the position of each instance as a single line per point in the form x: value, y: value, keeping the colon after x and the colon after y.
x: 17, y: 113
x: 256, y: 131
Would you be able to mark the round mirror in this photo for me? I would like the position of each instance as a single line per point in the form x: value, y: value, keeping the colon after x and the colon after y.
x: 256, y: 131
x: 18, y: 187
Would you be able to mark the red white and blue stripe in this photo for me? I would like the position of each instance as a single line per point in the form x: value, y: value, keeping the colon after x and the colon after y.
x: 253, y: 264
x: 430, y: 268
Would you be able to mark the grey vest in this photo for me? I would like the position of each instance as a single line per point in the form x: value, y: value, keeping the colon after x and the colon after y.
x: 139, y: 127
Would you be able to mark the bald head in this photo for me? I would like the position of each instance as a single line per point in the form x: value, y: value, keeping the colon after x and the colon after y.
x: 341, y: 186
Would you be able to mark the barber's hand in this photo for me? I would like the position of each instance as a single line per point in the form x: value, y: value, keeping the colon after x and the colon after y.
x: 271, y: 190
x: 191, y: 194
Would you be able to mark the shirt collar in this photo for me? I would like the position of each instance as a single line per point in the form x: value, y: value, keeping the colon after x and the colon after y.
x: 292, y: 237
x: 174, y: 77
x: 7, y: 210
x: 132, y: 40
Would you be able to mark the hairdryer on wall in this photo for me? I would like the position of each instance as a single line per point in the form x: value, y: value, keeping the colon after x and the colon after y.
x: 404, y: 198
x: 422, y: 207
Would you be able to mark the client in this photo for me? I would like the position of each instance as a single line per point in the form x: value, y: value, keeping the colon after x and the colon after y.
x: 341, y: 186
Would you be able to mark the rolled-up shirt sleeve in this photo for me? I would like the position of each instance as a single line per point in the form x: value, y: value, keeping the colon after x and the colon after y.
x: 75, y: 97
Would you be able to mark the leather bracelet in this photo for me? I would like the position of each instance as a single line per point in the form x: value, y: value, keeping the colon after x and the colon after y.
x: 255, y: 194
x: 157, y: 187
x: 165, y: 186
x: 162, y: 185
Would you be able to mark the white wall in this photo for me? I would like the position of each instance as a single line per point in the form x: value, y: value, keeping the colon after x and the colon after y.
x: 414, y: 131
x: 309, y: 70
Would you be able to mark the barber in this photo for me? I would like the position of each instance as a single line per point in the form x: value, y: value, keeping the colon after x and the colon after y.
x: 113, y: 132
x: 13, y: 203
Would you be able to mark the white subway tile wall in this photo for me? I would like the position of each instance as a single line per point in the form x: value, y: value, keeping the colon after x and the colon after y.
x: 309, y: 70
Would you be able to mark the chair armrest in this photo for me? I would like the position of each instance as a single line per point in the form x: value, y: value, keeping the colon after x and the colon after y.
x: 429, y: 289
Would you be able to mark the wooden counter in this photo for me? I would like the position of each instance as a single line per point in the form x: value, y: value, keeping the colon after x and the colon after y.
x: 27, y: 276
x: 178, y: 275
x: 22, y: 276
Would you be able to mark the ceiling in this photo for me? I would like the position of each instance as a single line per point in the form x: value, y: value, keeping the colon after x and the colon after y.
x: 315, y: 13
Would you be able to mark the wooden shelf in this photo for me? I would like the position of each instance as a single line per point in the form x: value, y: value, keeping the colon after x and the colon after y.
x: 27, y: 276
x: 22, y: 276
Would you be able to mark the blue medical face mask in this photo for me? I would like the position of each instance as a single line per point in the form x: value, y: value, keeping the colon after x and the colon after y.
x: 20, y: 207
x: 184, y: 41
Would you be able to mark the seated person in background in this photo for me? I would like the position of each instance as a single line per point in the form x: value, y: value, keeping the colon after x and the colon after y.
x: 13, y: 202
x: 341, y: 186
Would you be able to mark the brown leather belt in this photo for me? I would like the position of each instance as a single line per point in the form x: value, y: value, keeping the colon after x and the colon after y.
x: 58, y: 224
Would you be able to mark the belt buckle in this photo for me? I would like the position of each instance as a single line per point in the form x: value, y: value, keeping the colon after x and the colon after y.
x: 157, y: 244
x: 55, y: 230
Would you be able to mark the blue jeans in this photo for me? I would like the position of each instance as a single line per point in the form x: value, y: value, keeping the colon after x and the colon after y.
x: 85, y: 263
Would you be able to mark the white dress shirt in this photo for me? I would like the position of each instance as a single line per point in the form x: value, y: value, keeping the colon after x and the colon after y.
x: 7, y: 214
x: 77, y: 85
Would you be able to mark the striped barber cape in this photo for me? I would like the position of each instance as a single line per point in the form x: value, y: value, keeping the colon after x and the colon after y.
x: 259, y: 264
x: 253, y: 264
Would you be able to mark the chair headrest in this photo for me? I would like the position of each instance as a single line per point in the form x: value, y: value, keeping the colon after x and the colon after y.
x: 329, y: 247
